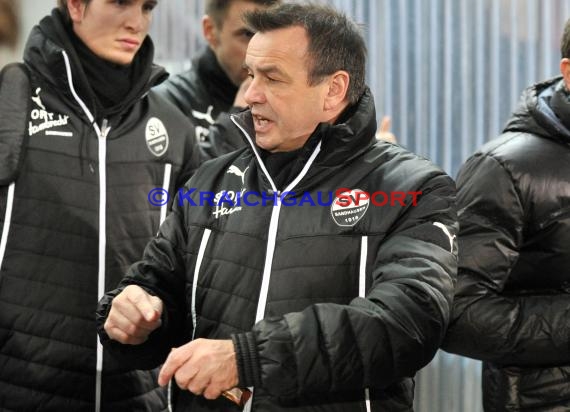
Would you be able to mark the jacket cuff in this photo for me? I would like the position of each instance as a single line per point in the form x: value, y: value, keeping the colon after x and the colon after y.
x: 249, y: 369
x: 103, y: 309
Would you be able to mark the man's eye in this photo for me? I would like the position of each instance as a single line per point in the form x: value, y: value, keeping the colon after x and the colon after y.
x: 246, y: 34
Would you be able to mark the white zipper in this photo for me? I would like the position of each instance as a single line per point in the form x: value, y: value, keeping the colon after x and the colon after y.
x: 272, y: 237
x: 163, y: 210
x: 203, y: 244
x: 7, y: 220
x: 362, y: 294
x: 165, y: 187
x: 102, y: 156
x: 102, y: 245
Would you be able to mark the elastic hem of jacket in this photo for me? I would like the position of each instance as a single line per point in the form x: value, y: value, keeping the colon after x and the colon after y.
x: 247, y: 359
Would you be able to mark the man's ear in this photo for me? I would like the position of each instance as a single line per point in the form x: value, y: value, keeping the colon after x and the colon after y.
x: 76, y: 9
x: 337, y: 90
x: 210, y: 31
x: 565, y: 70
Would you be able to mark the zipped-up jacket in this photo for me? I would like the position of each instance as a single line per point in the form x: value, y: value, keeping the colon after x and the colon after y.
x: 74, y: 214
x: 205, y: 94
x: 332, y: 305
x: 512, y: 300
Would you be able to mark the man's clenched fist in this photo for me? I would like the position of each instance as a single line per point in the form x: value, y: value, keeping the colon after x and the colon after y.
x: 134, y: 315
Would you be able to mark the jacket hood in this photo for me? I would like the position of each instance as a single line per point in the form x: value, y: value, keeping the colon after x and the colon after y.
x: 49, y: 53
x: 354, y: 132
x: 536, y: 113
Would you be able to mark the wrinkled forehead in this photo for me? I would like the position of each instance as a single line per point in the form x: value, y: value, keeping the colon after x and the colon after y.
x: 287, y: 43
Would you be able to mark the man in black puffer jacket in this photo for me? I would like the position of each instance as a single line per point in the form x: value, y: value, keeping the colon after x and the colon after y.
x: 82, y: 143
x: 276, y: 270
x: 512, y: 303
x: 213, y: 87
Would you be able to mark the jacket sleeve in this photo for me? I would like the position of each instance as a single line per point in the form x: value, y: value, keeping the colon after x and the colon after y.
x: 375, y: 340
x: 160, y: 273
x: 14, y: 109
x: 488, y: 322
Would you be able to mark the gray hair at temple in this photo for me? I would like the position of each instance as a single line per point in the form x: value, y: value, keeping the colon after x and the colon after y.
x: 335, y: 41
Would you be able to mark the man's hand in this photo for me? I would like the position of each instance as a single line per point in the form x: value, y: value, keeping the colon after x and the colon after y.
x: 383, y: 132
x: 204, y: 367
x: 134, y: 315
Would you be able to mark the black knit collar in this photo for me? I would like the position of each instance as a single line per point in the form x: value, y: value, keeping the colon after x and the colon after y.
x: 109, y: 81
x: 218, y: 83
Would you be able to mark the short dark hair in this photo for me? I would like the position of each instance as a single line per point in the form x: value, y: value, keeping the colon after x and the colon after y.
x: 218, y: 9
x: 565, y: 42
x: 335, y: 41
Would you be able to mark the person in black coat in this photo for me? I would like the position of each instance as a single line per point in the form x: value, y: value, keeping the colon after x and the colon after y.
x: 512, y: 297
x: 315, y: 265
x: 214, y: 86
x: 83, y: 142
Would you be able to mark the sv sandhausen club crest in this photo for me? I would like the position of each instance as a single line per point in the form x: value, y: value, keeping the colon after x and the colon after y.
x: 156, y: 137
x: 349, y: 207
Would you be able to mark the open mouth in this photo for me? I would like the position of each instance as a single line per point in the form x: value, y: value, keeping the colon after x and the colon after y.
x: 261, y: 123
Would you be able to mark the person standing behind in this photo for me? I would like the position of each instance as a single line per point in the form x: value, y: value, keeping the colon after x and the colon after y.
x: 9, y: 23
x: 328, y: 306
x: 9, y: 29
x: 214, y: 85
x: 512, y: 301
x: 83, y: 142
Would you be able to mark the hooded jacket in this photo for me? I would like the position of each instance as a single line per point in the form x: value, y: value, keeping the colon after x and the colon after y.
x: 332, y: 306
x: 74, y: 214
x: 205, y: 94
x: 512, y: 301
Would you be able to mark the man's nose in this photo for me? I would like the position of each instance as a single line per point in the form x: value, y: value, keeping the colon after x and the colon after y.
x: 254, y: 93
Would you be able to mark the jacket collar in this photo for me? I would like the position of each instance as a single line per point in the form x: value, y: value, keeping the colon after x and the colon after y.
x: 536, y: 113
x: 339, y: 143
x: 218, y: 83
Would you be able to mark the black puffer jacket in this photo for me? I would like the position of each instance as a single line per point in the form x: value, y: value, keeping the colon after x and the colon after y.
x: 205, y: 94
x: 357, y: 296
x: 512, y: 304
x: 74, y: 215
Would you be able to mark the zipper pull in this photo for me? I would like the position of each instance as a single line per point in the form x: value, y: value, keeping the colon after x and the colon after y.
x: 105, y: 129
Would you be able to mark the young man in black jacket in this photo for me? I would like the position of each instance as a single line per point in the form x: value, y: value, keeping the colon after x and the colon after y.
x: 214, y: 85
x: 315, y: 265
x: 511, y: 302
x: 83, y: 140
